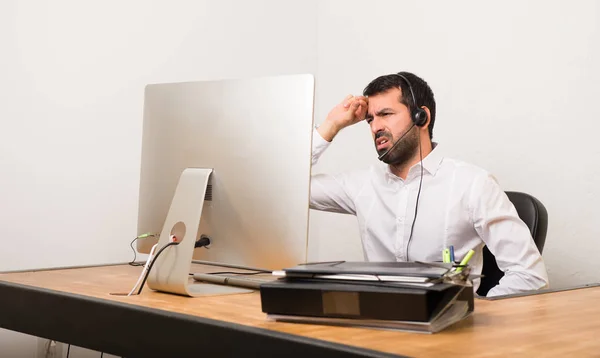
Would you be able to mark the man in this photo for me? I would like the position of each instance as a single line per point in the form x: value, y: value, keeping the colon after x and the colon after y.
x: 420, y: 202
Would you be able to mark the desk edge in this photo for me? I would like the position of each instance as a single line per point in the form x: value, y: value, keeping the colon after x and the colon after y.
x: 77, y: 319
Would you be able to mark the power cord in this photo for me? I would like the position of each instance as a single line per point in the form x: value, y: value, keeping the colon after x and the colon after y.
x: 203, y: 242
x: 145, y: 270
x: 152, y: 264
x: 149, y: 261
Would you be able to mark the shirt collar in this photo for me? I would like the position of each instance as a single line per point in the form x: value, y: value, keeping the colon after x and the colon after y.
x: 431, y: 163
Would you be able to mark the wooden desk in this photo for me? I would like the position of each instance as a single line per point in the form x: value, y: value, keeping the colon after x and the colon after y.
x: 75, y: 306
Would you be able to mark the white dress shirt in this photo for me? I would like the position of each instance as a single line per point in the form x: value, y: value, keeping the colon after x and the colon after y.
x: 460, y: 204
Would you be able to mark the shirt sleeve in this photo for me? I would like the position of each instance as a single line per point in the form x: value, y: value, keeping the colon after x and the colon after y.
x: 328, y: 192
x: 498, y: 224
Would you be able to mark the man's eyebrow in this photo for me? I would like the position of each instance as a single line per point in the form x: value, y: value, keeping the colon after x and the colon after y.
x: 378, y: 113
x: 383, y: 111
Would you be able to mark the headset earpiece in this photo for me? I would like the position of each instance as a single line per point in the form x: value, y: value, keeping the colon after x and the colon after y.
x: 419, y: 117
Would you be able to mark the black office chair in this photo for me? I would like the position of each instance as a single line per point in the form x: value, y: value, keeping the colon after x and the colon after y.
x: 535, y: 216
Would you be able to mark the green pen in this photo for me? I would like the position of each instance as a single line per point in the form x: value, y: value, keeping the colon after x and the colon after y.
x: 446, y: 256
x: 465, y: 261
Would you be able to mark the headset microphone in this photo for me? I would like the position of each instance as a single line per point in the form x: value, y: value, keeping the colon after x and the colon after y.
x: 395, y: 144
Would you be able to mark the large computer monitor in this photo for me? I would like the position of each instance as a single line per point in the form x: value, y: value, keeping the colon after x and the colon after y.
x: 254, y: 136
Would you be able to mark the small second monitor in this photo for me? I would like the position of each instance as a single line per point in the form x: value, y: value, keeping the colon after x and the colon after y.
x: 256, y: 135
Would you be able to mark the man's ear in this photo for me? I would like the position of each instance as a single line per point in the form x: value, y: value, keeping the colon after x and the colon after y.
x: 426, y: 125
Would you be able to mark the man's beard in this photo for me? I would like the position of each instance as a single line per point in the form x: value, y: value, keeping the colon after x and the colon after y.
x: 403, y: 151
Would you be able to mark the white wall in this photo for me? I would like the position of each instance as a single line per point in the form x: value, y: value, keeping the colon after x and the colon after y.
x: 73, y: 76
x: 72, y: 95
x: 516, y: 84
x: 17, y: 345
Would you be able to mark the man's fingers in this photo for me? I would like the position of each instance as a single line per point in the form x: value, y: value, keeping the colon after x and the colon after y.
x: 361, y: 102
x: 357, y: 109
x: 348, y: 100
x: 360, y: 109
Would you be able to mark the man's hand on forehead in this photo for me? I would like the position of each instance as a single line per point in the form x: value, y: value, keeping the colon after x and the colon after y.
x: 346, y: 113
x: 358, y: 103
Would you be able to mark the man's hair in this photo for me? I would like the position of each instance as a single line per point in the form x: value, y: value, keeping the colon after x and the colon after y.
x: 423, y: 93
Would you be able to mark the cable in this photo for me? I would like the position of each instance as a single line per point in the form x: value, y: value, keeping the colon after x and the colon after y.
x: 330, y: 263
x: 204, y: 241
x: 210, y: 263
x: 143, y: 236
x: 132, y: 262
x: 240, y: 273
x: 68, y: 350
x: 144, y: 271
x: 101, y: 354
x: 152, y: 264
x: 417, y: 203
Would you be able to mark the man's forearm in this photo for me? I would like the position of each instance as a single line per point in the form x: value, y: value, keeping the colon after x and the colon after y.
x: 328, y: 131
x: 534, y: 278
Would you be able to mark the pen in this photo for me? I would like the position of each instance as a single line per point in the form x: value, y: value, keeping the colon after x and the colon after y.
x: 446, y: 256
x: 452, y: 253
x: 465, y: 261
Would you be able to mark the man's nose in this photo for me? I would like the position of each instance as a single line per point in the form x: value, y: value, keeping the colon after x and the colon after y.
x: 377, y: 126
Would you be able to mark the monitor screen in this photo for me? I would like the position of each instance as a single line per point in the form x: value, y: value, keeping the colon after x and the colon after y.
x: 255, y: 134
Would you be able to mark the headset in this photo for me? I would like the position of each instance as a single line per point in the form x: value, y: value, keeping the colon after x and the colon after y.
x: 417, y: 114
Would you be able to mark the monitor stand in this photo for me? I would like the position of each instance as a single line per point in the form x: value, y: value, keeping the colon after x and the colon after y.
x: 171, y: 270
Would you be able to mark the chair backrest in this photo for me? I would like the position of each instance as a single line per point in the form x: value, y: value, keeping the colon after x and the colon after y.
x: 534, y: 215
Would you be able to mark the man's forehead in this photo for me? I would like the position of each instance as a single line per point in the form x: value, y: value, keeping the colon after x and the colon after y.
x: 388, y: 99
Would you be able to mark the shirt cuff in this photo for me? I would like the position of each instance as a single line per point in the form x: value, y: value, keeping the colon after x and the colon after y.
x: 318, y: 141
x: 319, y: 145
